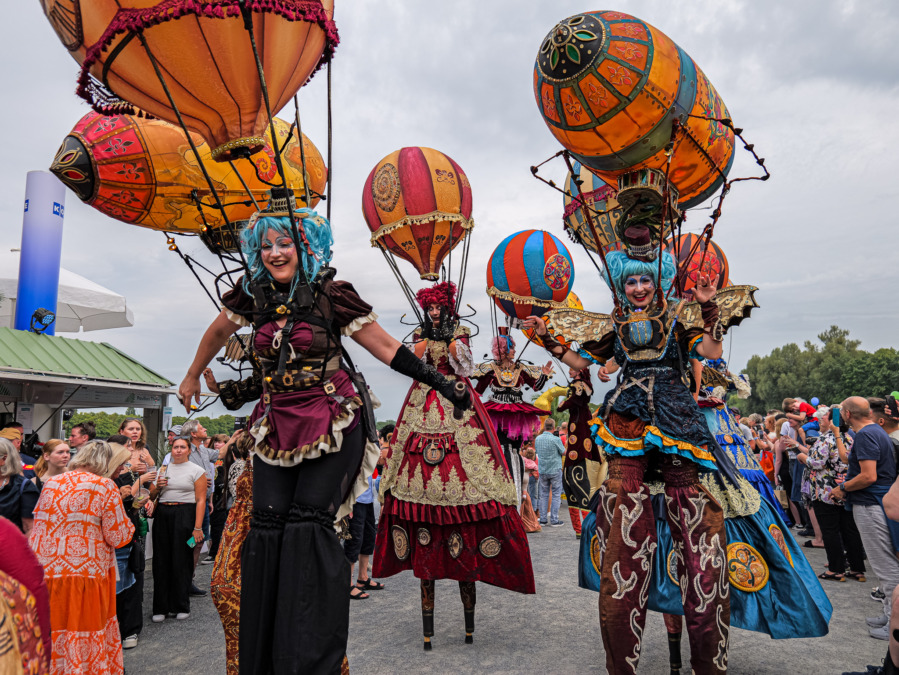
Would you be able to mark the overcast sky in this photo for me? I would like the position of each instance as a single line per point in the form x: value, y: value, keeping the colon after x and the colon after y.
x: 814, y: 84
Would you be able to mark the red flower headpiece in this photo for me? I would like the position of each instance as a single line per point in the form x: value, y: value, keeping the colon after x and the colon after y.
x: 443, y: 294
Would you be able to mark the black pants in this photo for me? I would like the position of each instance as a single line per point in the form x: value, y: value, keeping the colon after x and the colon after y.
x: 362, y: 533
x: 129, y: 608
x: 786, y: 480
x: 840, y: 533
x: 173, y: 559
x: 295, y: 598
x: 216, y: 526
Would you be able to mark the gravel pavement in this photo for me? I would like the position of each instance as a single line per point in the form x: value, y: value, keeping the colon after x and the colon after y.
x: 554, y: 631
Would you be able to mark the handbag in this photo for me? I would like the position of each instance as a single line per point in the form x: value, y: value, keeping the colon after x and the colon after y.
x: 782, y: 497
x: 137, y: 559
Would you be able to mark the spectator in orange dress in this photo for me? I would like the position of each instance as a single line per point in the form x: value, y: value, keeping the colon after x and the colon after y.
x: 79, y: 521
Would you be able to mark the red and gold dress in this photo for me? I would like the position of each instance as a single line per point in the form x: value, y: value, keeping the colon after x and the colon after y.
x: 449, y: 502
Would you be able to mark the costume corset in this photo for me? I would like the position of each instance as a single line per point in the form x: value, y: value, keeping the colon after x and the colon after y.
x: 313, y: 354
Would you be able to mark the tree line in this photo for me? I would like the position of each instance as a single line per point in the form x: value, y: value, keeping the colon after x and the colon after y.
x: 831, y: 371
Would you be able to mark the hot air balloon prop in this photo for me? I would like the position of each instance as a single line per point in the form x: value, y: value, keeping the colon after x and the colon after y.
x: 621, y: 95
x: 197, y: 62
x: 530, y: 272
x: 697, y: 257
x: 417, y: 204
x: 585, y: 188
x: 143, y: 172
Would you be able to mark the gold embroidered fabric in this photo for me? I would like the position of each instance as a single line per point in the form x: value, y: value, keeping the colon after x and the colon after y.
x: 739, y: 500
x: 485, y: 479
x: 578, y: 325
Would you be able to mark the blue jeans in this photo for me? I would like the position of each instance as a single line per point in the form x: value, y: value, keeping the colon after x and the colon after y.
x: 547, y: 481
x: 533, y: 491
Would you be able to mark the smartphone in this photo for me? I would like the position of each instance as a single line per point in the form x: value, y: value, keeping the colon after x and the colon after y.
x: 192, y: 542
x: 836, y: 417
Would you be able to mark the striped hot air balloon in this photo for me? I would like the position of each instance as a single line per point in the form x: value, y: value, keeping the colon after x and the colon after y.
x: 530, y: 272
x: 417, y: 203
x: 598, y: 196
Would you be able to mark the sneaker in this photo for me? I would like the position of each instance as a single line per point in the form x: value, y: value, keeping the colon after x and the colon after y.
x: 129, y: 642
x: 208, y: 560
x: 881, y: 633
x: 557, y: 523
x: 158, y: 618
x: 869, y: 670
x: 181, y: 616
x: 877, y: 595
x: 877, y: 621
x: 196, y: 592
x: 543, y: 522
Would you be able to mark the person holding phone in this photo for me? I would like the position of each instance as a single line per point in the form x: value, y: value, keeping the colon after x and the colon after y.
x: 181, y: 492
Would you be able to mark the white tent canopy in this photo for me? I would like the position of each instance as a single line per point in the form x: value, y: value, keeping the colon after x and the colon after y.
x: 82, y: 304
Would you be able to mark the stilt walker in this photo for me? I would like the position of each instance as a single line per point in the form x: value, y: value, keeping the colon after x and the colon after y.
x: 515, y: 421
x: 584, y: 468
x: 449, y: 508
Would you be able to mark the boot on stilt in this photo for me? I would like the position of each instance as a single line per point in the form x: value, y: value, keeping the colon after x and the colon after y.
x: 469, y: 598
x: 427, y: 611
x: 674, y: 626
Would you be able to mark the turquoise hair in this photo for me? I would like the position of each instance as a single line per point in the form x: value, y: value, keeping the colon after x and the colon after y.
x: 318, y: 234
x: 619, y: 267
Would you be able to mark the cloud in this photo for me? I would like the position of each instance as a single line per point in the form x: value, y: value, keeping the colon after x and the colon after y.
x: 813, y: 83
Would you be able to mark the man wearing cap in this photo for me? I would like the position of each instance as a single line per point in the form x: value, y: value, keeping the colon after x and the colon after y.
x: 13, y: 432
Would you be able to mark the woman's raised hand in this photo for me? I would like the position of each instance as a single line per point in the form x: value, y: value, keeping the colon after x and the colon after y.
x: 535, y: 323
x: 705, y: 288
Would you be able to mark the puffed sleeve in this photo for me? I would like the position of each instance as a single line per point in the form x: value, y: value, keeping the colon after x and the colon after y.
x: 689, y: 339
x: 598, y: 351
x: 350, y: 311
x: 460, y: 353
x: 238, y: 304
x: 117, y: 527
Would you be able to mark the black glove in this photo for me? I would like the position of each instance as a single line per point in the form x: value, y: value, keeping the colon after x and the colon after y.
x: 406, y: 363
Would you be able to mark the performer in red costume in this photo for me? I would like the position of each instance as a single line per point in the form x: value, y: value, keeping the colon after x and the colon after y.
x: 515, y: 421
x: 449, y: 502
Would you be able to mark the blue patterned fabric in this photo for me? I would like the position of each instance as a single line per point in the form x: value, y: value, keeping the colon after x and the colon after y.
x: 727, y: 433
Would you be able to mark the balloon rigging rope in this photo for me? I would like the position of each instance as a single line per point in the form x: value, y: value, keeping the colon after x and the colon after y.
x: 330, y: 165
x: 296, y: 115
x: 193, y: 146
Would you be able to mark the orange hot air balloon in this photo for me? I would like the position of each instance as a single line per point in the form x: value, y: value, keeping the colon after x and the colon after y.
x: 609, y: 86
x: 417, y: 203
x: 143, y: 172
x: 707, y: 260
x: 203, y: 51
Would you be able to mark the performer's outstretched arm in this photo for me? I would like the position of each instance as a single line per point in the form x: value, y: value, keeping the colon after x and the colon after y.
x: 213, y: 340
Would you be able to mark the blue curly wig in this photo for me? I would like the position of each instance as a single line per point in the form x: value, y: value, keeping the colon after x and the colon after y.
x: 318, y: 233
x: 619, y: 267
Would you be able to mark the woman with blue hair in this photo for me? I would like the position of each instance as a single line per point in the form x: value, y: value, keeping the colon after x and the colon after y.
x: 650, y: 428
x: 315, y: 444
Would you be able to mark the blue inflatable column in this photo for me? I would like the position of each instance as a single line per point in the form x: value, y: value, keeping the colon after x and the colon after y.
x: 45, y: 199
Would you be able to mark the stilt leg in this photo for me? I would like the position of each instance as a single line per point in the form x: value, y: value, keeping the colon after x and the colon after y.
x: 427, y: 611
x: 674, y: 624
x: 469, y: 598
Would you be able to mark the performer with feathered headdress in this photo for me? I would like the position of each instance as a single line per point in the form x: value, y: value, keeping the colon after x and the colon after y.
x: 449, y: 502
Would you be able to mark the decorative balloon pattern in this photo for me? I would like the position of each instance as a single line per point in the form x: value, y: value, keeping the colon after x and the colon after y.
x: 530, y: 272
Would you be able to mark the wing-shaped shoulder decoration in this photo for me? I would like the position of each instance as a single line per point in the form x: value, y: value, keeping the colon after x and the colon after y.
x: 483, y: 369
x: 578, y: 325
x: 534, y: 371
x: 734, y: 304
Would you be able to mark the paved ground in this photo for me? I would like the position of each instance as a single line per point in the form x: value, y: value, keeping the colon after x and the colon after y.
x: 554, y: 631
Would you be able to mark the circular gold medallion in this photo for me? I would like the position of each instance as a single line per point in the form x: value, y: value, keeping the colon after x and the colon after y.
x: 424, y: 536
x: 455, y: 545
x: 746, y: 567
x: 490, y: 547
x: 400, y: 542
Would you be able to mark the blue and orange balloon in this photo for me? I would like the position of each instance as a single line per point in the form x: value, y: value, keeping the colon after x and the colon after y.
x: 530, y: 272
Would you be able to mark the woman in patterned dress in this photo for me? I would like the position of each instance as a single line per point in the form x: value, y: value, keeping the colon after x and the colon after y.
x: 79, y: 521
x: 449, y: 502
